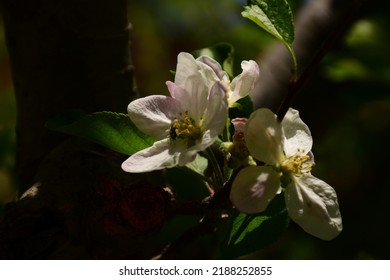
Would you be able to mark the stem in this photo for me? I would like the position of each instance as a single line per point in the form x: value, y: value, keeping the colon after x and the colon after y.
x: 294, y: 68
x: 218, y: 173
x: 226, y: 132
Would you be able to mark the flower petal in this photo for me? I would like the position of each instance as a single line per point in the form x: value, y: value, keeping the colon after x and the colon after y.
x: 153, y: 114
x: 243, y: 84
x: 254, y: 188
x: 156, y: 157
x: 297, y: 134
x: 187, y: 67
x: 193, y: 97
x: 215, y: 66
x: 264, y: 136
x: 312, y: 204
x: 163, y: 154
x: 216, y: 112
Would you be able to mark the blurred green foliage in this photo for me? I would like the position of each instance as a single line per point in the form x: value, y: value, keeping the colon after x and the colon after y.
x: 162, y: 29
x: 346, y: 104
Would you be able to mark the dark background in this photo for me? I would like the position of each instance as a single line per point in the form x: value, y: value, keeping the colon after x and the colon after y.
x: 345, y: 103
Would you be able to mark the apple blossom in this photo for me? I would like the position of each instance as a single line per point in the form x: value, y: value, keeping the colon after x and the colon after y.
x: 285, y: 147
x: 184, y: 123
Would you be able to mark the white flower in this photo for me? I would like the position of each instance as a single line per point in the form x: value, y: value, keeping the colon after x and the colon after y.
x: 241, y: 85
x: 285, y: 149
x: 184, y: 123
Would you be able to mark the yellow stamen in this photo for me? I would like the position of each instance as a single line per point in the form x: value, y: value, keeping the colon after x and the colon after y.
x: 185, y: 128
x: 298, y: 164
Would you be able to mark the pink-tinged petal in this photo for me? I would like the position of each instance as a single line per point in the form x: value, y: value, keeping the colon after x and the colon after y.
x: 239, y: 125
x: 178, y: 92
x: 216, y: 112
x: 243, y: 84
x: 264, y: 136
x: 215, y: 66
x: 171, y: 88
x: 312, y: 204
x: 193, y: 97
x: 156, y: 157
x: 254, y: 188
x: 209, y: 76
x: 153, y: 114
x: 297, y: 134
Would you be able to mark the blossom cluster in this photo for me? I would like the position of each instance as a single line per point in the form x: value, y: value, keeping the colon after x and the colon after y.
x: 274, y: 156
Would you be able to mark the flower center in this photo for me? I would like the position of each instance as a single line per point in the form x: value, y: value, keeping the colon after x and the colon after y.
x: 185, y: 128
x: 299, y: 164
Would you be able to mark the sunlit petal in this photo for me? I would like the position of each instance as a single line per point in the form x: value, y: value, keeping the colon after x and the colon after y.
x: 156, y: 157
x: 264, y: 136
x: 243, y: 84
x: 297, y: 134
x: 186, y: 67
x: 312, y: 204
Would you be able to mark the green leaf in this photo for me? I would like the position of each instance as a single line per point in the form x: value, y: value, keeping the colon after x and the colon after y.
x: 186, y: 184
x: 221, y: 52
x: 275, y: 17
x: 249, y: 233
x: 112, y: 130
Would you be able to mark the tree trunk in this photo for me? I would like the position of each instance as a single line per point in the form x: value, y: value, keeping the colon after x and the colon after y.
x: 64, y: 54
